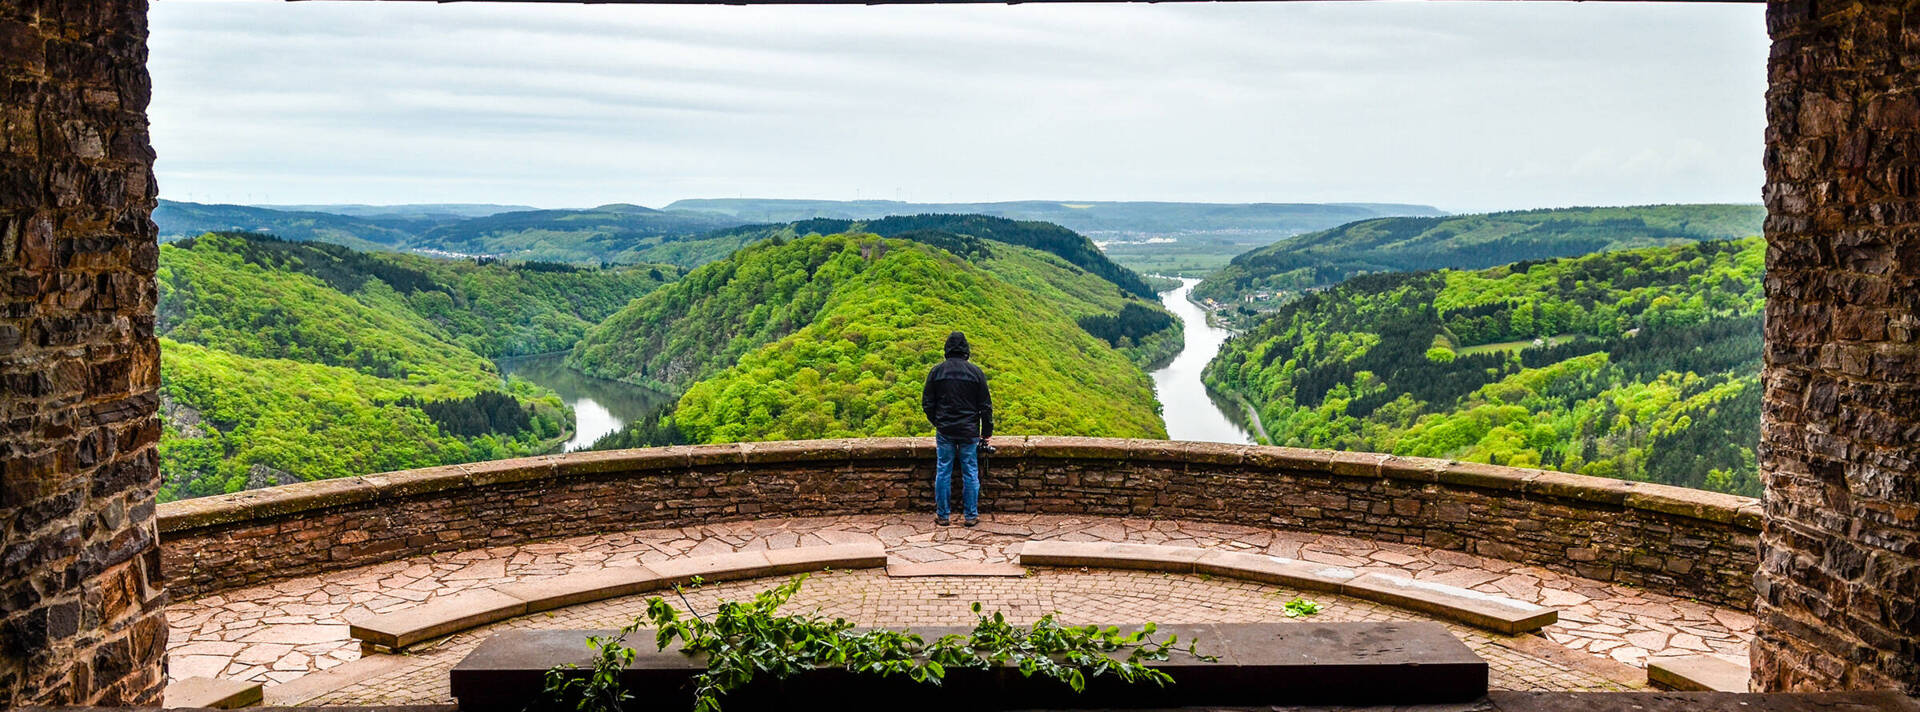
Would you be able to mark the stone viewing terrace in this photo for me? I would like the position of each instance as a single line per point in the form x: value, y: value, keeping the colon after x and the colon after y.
x: 266, y: 582
x: 104, y: 589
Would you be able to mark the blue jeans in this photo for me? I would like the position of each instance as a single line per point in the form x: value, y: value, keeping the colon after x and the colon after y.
x: 945, y: 449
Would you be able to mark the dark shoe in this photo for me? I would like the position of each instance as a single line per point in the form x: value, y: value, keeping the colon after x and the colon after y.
x: 942, y: 521
x: 972, y: 521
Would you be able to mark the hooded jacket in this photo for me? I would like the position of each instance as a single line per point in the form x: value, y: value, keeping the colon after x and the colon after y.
x: 955, y: 398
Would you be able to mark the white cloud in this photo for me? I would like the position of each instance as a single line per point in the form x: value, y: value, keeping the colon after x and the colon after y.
x: 1468, y: 106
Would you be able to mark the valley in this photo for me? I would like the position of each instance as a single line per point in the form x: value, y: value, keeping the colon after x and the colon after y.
x: 407, y: 336
x: 600, y: 407
x: 1192, y: 410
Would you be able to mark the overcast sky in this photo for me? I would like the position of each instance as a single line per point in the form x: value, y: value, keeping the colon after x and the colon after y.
x: 1462, y: 105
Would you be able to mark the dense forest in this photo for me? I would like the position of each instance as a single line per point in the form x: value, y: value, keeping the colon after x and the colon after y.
x: 960, y: 234
x: 1638, y: 364
x: 830, y: 336
x: 286, y: 361
x: 718, y: 313
x: 1469, y: 242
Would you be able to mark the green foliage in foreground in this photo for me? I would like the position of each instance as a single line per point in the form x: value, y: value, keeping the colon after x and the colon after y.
x: 831, y: 336
x: 749, y: 640
x: 1470, y: 242
x: 288, y: 361
x: 1638, y: 364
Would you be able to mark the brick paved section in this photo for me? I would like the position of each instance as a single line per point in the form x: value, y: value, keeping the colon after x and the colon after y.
x: 1840, y: 445
x: 1672, y: 540
x: 80, y: 593
x: 281, y: 631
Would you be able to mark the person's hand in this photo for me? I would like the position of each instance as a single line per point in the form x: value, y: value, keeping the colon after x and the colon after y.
x: 986, y: 442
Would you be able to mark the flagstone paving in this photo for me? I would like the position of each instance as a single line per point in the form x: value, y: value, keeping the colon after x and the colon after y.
x: 278, y: 632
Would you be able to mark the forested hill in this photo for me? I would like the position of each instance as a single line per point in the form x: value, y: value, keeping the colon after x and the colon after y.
x: 1470, y: 242
x: 1066, y: 244
x: 285, y: 361
x: 830, y: 336
x: 1637, y: 364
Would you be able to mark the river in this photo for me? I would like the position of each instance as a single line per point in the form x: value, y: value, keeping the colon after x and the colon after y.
x: 599, y: 406
x: 1191, y: 412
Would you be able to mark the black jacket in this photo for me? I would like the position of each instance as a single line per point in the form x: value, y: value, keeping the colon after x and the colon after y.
x: 955, y: 398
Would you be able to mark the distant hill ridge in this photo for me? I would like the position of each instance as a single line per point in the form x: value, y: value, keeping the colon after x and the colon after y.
x: 1077, y: 215
x: 465, y: 210
x: 685, y: 232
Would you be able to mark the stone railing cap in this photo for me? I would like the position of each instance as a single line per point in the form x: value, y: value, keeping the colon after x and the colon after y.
x: 272, y: 502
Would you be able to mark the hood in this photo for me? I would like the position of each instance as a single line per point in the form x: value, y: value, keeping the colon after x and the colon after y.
x: 957, y: 346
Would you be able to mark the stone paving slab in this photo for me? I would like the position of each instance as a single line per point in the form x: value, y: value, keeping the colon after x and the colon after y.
x: 278, y: 632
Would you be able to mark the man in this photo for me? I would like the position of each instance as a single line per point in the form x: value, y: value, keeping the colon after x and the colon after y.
x: 956, y: 401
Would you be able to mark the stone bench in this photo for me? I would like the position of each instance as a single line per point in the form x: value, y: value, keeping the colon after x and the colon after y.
x: 210, y: 693
x: 1698, y: 673
x: 1260, y: 664
x: 1481, y: 610
x: 389, y: 632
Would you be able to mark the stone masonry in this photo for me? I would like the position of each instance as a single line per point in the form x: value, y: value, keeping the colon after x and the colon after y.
x: 82, y: 619
x: 1671, y: 540
x: 1839, y: 584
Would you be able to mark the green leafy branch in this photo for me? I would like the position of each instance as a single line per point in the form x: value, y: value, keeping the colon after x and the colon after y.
x: 745, y: 639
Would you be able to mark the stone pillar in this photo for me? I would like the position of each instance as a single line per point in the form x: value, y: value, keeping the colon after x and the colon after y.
x: 82, y: 616
x: 1839, y: 583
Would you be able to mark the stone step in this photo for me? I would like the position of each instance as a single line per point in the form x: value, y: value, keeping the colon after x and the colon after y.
x: 1699, y: 673
x: 390, y: 632
x: 1482, y: 610
x: 1260, y: 664
x: 210, y: 693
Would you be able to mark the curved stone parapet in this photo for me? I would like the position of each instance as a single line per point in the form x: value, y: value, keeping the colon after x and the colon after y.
x: 1669, y: 539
